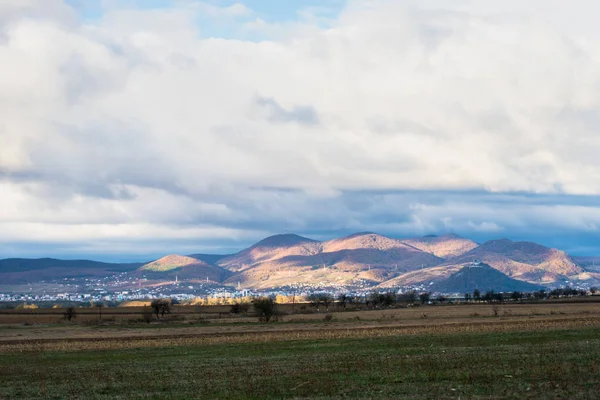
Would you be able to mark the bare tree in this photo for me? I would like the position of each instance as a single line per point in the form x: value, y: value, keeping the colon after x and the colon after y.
x: 489, y: 296
x: 161, y: 307
x: 326, y: 300
x: 315, y: 300
x: 540, y: 294
x: 516, y: 295
x: 99, y: 306
x: 409, y: 297
x: 343, y: 299
x: 265, y: 307
x: 388, y: 299
x: 375, y: 298
x: 70, y: 313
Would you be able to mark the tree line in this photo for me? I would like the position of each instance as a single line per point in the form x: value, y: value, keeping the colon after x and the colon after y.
x: 491, y: 296
x: 266, y: 308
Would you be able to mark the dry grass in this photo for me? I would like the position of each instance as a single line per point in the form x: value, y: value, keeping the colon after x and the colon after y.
x: 189, y: 330
x: 528, y: 351
x: 303, y: 312
x: 172, y: 338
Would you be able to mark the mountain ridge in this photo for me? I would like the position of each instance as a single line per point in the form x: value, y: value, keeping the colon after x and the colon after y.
x: 24, y: 270
x: 523, y: 260
x: 367, y: 257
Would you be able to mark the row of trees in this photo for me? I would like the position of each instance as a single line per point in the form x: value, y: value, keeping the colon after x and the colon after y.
x: 326, y: 301
x: 266, y: 307
x: 492, y: 296
x: 374, y: 299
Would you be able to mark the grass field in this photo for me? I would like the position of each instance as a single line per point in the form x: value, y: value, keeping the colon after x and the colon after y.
x: 454, y: 352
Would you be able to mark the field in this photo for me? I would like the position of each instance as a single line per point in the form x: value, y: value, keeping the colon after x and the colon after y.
x: 545, y: 350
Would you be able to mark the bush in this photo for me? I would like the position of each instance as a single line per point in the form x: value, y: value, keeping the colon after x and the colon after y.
x: 265, y: 307
x: 343, y: 299
x: 70, y: 313
x: 161, y: 307
x: 495, y: 310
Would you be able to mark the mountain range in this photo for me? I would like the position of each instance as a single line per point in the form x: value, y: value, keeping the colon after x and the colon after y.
x: 363, y: 259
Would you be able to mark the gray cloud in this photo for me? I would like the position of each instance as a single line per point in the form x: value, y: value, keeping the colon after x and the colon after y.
x: 567, y: 222
x: 305, y: 115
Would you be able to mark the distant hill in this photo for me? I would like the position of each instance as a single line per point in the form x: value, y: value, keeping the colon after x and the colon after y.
x: 283, y: 240
x: 183, y: 267
x: 281, y: 261
x: 23, y: 270
x: 269, y: 249
x: 379, y: 260
x: 363, y: 259
x: 447, y: 246
x: 523, y: 260
x: 370, y: 249
x: 482, y: 277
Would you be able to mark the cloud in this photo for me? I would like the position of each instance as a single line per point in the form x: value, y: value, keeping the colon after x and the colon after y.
x: 275, y: 113
x: 234, y: 10
x: 146, y: 116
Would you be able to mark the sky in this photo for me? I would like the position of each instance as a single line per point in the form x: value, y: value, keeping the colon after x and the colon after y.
x: 131, y: 129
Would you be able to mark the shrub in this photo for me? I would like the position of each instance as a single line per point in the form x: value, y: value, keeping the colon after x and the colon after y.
x: 161, y: 307
x: 343, y: 299
x: 495, y: 310
x: 265, y: 307
x: 70, y: 313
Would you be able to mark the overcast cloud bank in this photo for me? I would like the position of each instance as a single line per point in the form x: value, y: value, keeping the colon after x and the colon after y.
x: 204, y: 126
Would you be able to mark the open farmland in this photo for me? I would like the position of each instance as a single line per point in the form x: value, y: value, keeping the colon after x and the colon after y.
x: 304, y: 312
x: 546, y: 350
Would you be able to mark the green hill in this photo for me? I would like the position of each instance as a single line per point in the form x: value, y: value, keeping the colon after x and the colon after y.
x: 482, y: 277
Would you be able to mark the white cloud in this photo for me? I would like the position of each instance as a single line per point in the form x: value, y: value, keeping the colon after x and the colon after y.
x: 234, y: 10
x: 134, y: 118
